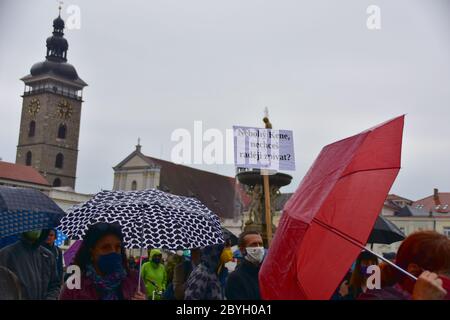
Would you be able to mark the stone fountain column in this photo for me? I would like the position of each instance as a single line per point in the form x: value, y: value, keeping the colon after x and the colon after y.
x: 253, y: 186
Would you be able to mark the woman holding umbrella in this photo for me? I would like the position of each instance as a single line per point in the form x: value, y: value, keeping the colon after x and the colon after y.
x: 104, y: 269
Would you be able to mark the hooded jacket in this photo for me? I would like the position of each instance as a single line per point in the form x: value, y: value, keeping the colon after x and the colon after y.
x: 154, y: 275
x: 204, y: 282
x: 35, y: 268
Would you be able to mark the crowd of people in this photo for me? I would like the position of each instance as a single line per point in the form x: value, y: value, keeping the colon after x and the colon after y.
x: 32, y: 268
x: 424, y: 254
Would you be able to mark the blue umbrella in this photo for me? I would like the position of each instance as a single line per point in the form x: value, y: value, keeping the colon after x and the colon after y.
x: 6, y: 241
x: 23, y: 210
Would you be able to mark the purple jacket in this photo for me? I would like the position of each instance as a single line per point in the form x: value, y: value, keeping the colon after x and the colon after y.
x: 389, y: 293
x: 89, y: 292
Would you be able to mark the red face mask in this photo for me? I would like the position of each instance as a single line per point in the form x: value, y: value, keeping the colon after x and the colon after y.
x: 446, y: 286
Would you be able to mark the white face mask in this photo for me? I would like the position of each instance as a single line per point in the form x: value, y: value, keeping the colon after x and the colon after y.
x: 255, y: 254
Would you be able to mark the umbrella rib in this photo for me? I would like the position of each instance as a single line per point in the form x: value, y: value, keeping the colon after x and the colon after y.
x: 358, y: 244
x: 338, y: 232
x: 366, y: 170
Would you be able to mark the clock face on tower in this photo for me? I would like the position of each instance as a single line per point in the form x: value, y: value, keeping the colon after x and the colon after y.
x: 33, y: 107
x: 64, y: 109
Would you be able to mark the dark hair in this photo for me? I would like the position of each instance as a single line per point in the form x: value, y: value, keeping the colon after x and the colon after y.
x: 46, y: 233
x: 90, y: 239
x: 241, y: 240
x: 357, y: 279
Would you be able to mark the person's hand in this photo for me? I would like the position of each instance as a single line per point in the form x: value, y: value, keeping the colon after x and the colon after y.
x: 428, y: 287
x: 139, y: 296
x: 343, y: 289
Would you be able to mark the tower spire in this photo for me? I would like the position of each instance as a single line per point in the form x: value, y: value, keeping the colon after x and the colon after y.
x: 138, y: 146
x: 57, y: 45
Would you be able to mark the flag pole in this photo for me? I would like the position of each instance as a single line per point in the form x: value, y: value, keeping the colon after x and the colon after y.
x: 267, y: 207
x: 266, y: 186
x: 140, y: 268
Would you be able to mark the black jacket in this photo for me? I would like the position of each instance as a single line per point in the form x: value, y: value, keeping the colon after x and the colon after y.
x: 57, y: 253
x: 243, y: 283
x: 35, y: 268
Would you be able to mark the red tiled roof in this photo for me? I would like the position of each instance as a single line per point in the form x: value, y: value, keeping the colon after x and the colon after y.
x: 430, y: 203
x: 219, y: 193
x: 21, y: 173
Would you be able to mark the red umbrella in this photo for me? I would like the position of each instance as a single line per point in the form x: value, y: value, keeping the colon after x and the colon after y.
x: 329, y: 218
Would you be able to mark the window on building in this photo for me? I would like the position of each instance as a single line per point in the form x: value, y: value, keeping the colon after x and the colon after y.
x: 28, y: 158
x: 59, y: 162
x: 57, y: 182
x: 446, y: 231
x: 32, y: 129
x: 62, y: 130
x: 134, y: 185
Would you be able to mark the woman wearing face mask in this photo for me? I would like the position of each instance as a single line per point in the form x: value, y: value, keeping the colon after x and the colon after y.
x: 243, y: 284
x: 225, y: 257
x: 104, y: 269
x: 358, y: 279
x: 426, y: 255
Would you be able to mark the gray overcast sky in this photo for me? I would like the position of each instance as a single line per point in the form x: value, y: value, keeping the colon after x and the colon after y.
x: 154, y: 66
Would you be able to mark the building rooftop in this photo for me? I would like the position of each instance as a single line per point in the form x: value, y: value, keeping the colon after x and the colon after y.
x: 438, y: 202
x: 20, y: 173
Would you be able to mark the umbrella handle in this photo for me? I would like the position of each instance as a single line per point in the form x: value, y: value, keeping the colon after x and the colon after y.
x: 140, y: 268
x: 391, y: 263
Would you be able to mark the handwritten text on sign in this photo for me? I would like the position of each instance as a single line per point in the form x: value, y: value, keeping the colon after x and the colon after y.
x: 258, y: 148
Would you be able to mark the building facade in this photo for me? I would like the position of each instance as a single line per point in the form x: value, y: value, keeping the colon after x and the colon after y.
x: 219, y: 193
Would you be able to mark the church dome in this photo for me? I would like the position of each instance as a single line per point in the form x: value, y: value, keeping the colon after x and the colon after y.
x: 55, y: 62
x: 62, y: 69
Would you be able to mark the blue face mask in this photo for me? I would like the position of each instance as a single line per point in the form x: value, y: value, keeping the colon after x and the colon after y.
x: 110, y: 263
x: 363, y: 270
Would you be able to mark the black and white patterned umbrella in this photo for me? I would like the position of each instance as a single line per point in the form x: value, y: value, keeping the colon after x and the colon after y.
x: 149, y: 219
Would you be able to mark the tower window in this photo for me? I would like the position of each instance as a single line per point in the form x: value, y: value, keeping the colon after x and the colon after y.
x: 28, y: 158
x: 62, y: 130
x: 59, y: 162
x: 134, y: 185
x: 32, y: 129
x: 57, y: 182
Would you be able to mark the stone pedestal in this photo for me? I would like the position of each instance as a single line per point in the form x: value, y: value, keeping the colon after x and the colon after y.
x: 253, y: 182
